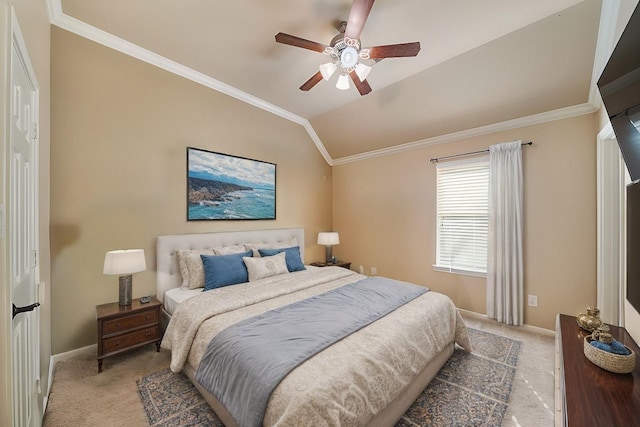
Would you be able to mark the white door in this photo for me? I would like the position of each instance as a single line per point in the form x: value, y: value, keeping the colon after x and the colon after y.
x: 23, y: 152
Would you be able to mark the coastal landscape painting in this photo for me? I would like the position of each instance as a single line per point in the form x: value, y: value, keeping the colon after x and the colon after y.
x: 225, y: 187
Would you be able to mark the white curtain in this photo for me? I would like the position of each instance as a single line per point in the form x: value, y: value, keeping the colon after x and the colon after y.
x: 505, y: 289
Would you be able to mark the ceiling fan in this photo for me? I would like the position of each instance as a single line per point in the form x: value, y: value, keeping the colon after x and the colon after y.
x: 346, y: 52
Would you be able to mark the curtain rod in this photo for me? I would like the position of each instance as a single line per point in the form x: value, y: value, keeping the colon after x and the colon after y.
x: 436, y: 160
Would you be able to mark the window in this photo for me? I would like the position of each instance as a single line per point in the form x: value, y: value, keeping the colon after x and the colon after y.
x: 463, y: 217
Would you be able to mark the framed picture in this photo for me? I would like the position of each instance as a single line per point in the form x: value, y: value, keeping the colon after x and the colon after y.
x: 220, y: 186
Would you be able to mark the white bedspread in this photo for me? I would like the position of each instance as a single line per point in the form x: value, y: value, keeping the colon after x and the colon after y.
x: 349, y: 382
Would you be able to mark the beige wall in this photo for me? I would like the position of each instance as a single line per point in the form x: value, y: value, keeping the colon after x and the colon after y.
x: 121, y: 127
x: 118, y: 175
x: 34, y: 23
x: 384, y: 209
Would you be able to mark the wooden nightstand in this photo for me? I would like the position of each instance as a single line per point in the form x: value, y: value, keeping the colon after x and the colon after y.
x: 342, y: 264
x: 122, y: 328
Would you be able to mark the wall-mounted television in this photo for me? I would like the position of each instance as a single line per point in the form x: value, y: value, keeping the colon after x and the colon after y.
x: 619, y: 86
x: 633, y: 245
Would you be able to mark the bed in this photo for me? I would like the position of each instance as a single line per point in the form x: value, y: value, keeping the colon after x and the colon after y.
x: 369, y: 377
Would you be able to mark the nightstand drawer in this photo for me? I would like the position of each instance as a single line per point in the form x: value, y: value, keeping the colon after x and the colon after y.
x: 130, y: 339
x: 125, y: 323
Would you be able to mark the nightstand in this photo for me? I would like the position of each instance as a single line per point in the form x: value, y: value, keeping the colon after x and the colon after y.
x: 342, y: 264
x: 123, y: 328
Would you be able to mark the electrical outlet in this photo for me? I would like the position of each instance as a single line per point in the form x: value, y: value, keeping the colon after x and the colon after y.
x: 374, y: 271
x: 533, y: 301
x: 361, y: 269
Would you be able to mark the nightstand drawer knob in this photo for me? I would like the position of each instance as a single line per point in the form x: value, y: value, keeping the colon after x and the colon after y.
x: 117, y: 325
x: 148, y: 317
x: 117, y: 343
x: 148, y: 334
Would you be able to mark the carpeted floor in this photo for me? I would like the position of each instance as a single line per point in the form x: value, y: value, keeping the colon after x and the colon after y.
x: 470, y: 390
x: 82, y: 397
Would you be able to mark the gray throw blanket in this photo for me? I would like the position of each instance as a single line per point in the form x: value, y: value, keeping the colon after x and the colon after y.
x: 244, y: 363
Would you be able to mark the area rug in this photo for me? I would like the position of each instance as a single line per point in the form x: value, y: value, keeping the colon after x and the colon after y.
x: 472, y: 389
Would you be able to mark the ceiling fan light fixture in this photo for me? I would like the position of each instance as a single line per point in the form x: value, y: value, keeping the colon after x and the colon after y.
x: 345, y: 51
x: 348, y: 57
x: 327, y: 70
x: 362, y: 71
x: 343, y: 82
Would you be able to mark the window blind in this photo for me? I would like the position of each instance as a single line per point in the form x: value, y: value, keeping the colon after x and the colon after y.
x: 463, y: 216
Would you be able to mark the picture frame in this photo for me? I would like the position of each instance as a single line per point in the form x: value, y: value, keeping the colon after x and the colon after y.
x: 226, y: 187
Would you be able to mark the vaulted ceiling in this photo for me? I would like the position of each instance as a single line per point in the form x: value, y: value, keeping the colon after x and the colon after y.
x: 481, y: 63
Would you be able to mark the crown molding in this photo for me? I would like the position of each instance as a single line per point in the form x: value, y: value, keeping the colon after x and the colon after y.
x: 609, y: 15
x: 82, y: 29
x: 548, y: 116
x: 605, y: 44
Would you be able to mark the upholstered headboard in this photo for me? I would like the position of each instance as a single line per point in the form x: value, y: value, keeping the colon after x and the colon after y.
x: 168, y: 272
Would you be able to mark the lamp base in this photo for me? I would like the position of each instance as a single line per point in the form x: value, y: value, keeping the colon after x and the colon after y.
x: 125, y: 290
x: 329, y: 256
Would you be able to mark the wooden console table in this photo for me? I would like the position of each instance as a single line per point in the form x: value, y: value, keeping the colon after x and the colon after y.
x: 587, y: 395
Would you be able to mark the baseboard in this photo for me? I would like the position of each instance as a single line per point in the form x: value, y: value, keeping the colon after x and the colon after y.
x: 55, y: 358
x: 45, y: 400
x: 528, y: 328
x: 83, y: 351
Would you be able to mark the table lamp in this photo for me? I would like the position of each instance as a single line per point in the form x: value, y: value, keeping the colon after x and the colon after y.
x: 124, y: 263
x: 328, y: 238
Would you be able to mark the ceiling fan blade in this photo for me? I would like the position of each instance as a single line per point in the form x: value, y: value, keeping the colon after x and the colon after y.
x: 312, y: 81
x: 362, y: 85
x: 357, y: 17
x: 300, y: 42
x: 394, y: 50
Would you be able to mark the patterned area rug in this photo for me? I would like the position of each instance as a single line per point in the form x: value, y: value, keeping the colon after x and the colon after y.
x: 472, y: 389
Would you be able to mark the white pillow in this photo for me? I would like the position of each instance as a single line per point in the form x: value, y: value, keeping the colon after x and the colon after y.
x: 191, y: 267
x: 278, y: 245
x: 229, y: 250
x: 260, y: 268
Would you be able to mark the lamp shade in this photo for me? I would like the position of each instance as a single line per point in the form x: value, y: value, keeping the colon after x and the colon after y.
x: 327, y: 70
x: 124, y: 262
x: 343, y: 82
x: 362, y: 70
x: 328, y: 238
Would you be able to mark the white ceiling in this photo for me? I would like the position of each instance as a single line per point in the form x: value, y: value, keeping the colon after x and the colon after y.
x: 482, y: 62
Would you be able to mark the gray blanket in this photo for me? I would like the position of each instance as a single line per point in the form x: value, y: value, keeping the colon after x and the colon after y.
x: 245, y: 362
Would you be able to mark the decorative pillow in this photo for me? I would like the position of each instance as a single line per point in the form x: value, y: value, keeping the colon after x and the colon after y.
x: 224, y: 270
x: 255, y: 247
x: 294, y: 263
x: 268, y: 266
x: 191, y: 267
x: 229, y: 250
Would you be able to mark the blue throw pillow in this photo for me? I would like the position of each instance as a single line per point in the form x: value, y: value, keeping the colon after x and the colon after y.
x: 224, y: 270
x: 292, y: 257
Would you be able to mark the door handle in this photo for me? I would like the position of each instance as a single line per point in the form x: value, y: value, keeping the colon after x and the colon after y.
x: 18, y: 310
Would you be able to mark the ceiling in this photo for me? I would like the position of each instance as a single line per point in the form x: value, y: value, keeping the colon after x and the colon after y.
x: 481, y: 63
